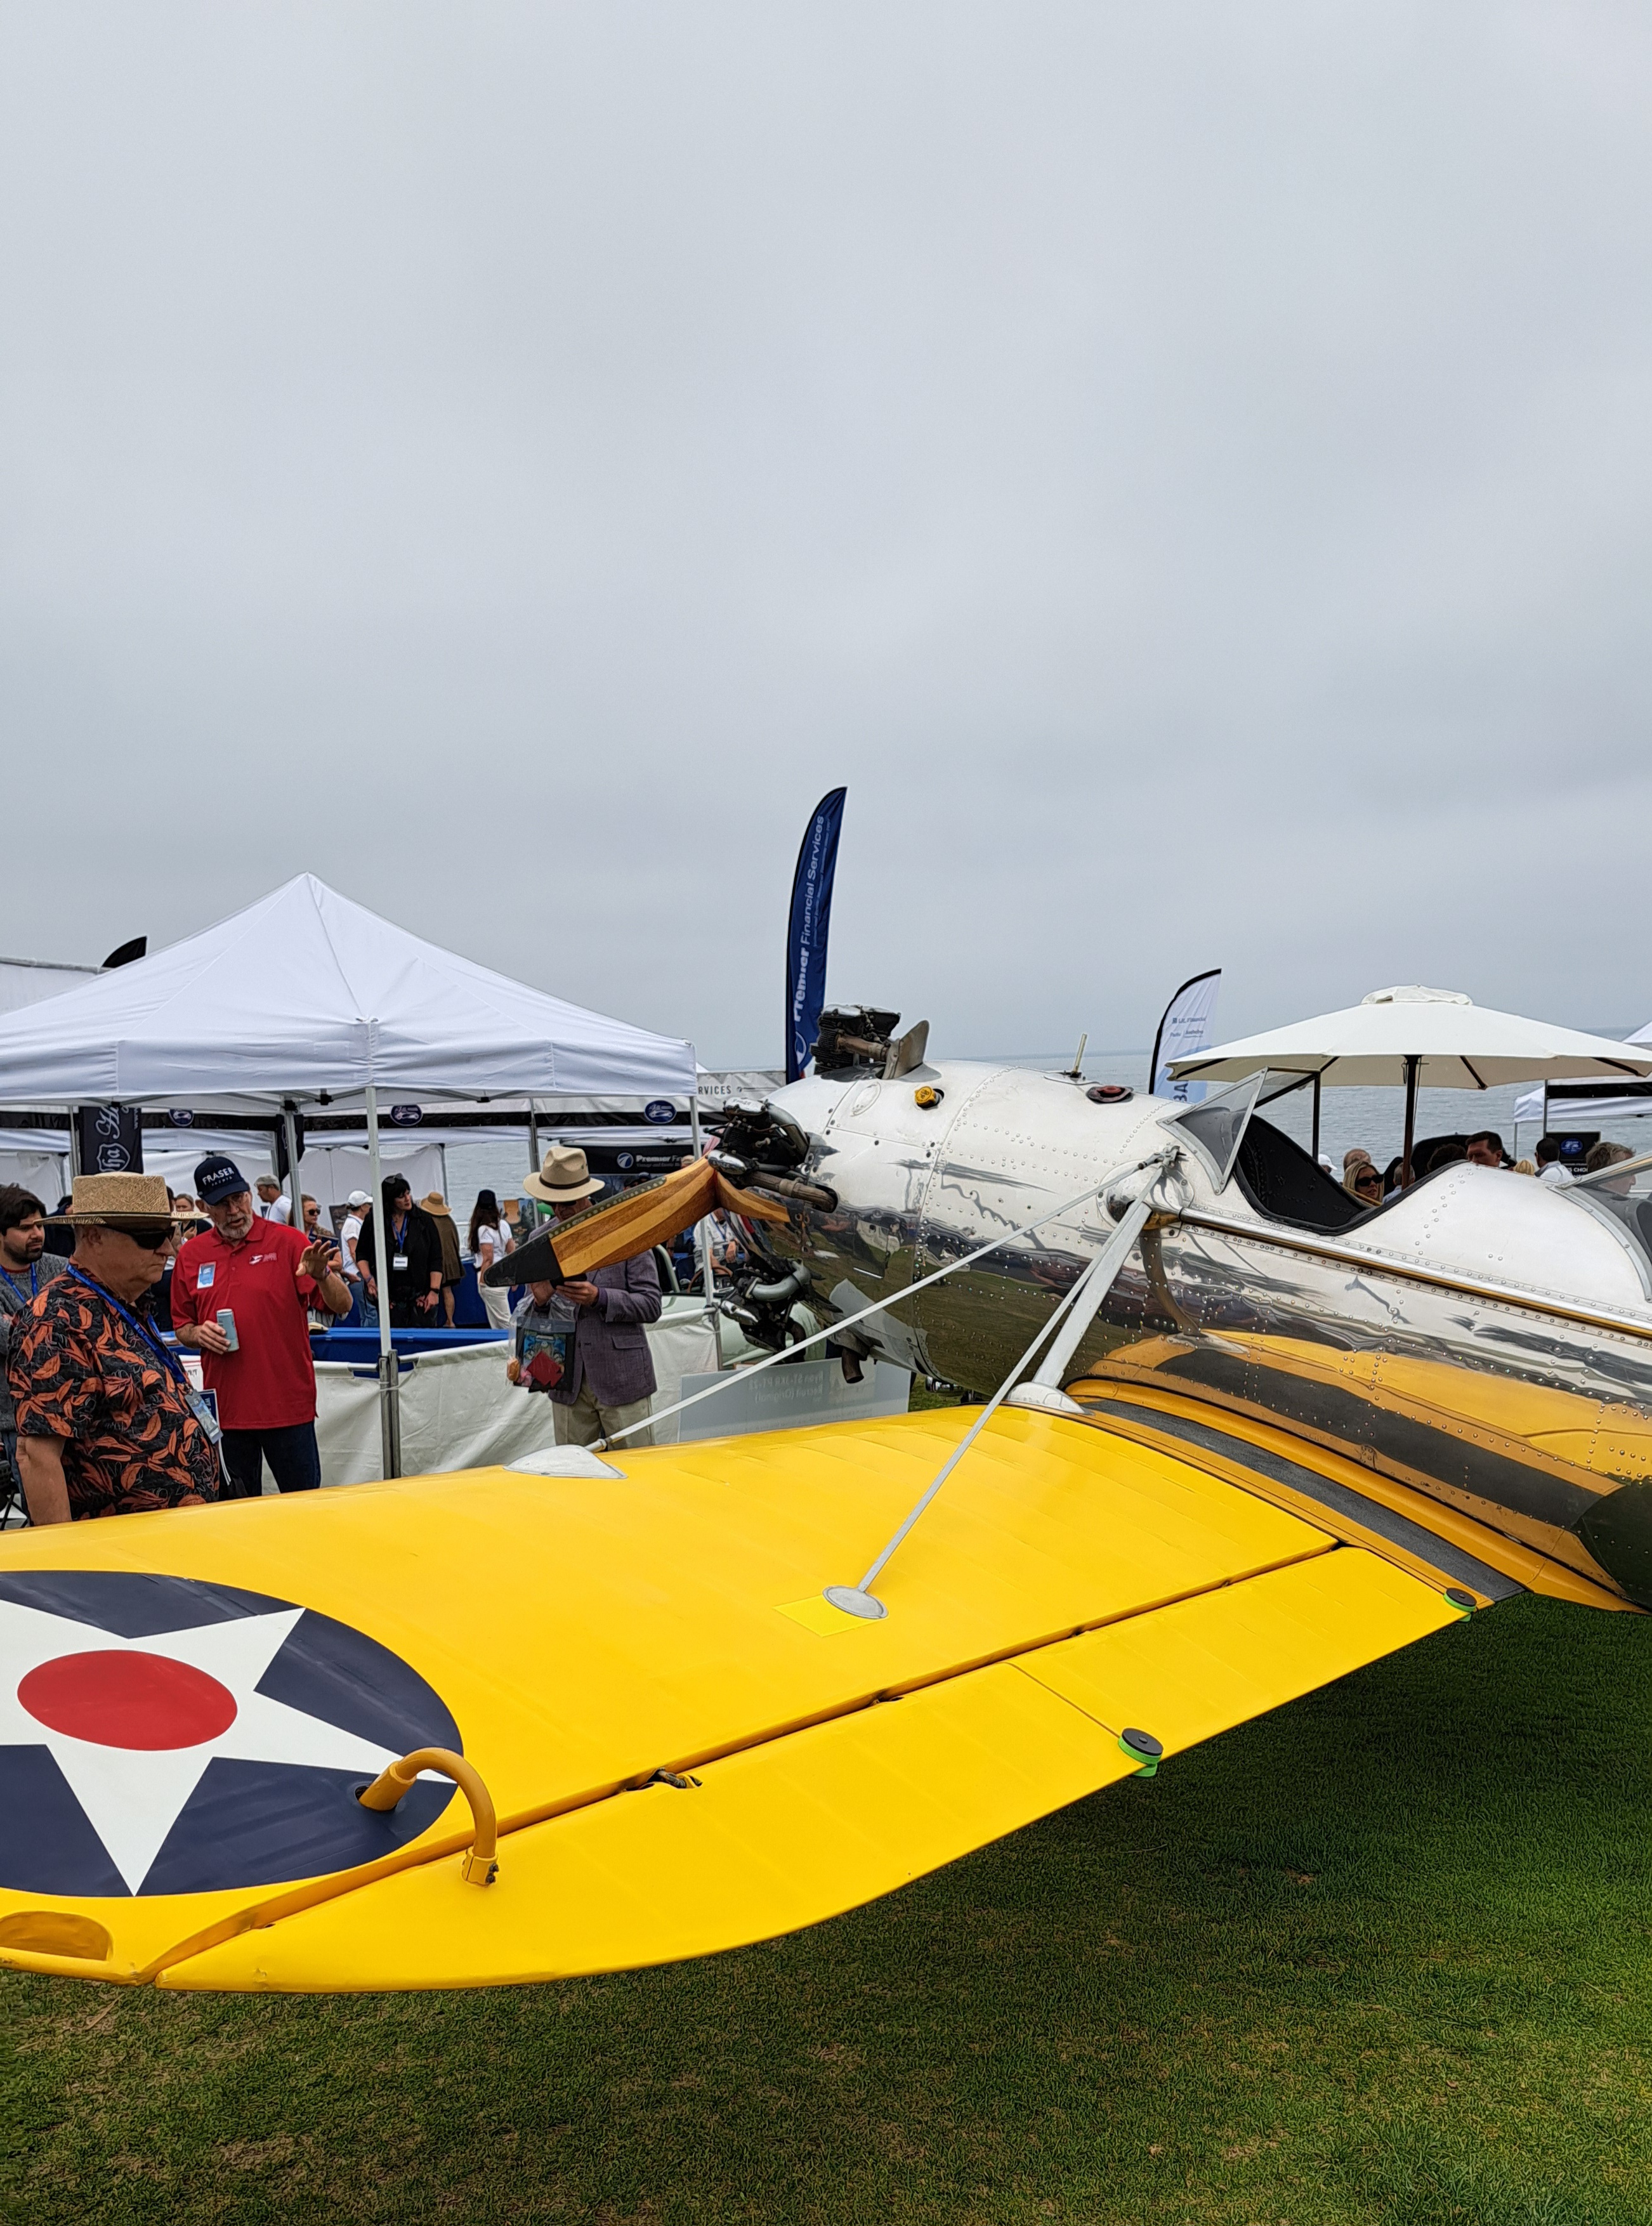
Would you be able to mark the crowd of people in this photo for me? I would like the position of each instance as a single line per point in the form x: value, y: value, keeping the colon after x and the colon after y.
x: 1553, y: 1163
x: 100, y: 1302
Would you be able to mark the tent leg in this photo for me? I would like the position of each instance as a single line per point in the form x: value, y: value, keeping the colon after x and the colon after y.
x: 708, y: 1280
x: 389, y: 1389
x: 533, y: 1139
x: 1413, y: 1066
x: 1315, y: 1119
x: 290, y: 1129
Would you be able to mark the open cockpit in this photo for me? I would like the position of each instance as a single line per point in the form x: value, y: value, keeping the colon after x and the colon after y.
x: 1243, y: 1152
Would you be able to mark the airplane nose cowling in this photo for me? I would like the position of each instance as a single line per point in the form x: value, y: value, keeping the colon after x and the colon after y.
x: 1618, y: 1531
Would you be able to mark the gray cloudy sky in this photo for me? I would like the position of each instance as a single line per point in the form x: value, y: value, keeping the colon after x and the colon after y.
x: 1185, y: 468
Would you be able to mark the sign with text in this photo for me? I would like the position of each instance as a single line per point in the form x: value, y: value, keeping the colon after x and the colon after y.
x: 109, y: 1140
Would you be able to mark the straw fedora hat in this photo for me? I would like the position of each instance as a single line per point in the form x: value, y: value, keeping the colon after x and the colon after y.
x: 434, y: 1202
x: 118, y: 1198
x: 563, y: 1177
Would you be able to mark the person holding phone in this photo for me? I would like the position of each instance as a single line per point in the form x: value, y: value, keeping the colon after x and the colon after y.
x: 241, y: 1297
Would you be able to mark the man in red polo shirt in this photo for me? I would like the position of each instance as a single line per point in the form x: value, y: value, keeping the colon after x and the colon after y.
x: 267, y: 1276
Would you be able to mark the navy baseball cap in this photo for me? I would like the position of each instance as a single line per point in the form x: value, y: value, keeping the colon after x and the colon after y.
x: 217, y: 1178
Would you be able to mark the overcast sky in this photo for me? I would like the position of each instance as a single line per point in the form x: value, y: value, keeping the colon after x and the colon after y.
x: 1186, y: 468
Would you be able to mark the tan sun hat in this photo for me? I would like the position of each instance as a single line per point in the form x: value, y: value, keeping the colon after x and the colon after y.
x: 563, y: 1177
x: 434, y: 1202
x: 118, y: 1198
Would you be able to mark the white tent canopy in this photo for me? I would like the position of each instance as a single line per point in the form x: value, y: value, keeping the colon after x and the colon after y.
x: 1432, y: 1039
x: 27, y: 981
x: 1573, y: 1111
x: 307, y: 996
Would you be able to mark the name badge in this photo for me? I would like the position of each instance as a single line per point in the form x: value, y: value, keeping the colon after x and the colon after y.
x: 203, y: 1413
x: 398, y: 1260
x: 207, y: 1277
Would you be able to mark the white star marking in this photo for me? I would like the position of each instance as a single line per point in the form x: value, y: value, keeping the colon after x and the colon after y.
x: 133, y: 1797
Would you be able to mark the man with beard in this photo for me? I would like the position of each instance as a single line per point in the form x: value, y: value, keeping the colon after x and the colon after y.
x: 265, y: 1278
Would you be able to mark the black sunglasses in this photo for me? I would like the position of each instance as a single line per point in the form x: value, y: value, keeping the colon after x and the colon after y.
x: 149, y: 1238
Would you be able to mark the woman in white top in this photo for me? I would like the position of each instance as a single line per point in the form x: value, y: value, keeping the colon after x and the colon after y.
x: 349, y: 1232
x: 490, y: 1240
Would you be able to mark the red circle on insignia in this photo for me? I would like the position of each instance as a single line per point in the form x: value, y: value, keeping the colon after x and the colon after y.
x: 117, y: 1698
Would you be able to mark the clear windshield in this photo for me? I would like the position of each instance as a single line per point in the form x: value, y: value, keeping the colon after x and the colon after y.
x: 1216, y: 1128
x: 1621, y: 1196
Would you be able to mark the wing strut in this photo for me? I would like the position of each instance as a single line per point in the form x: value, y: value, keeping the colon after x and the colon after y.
x: 1081, y: 1305
x: 882, y: 1306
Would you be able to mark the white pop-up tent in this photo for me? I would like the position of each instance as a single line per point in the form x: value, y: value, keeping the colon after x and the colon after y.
x: 307, y: 999
x: 306, y: 995
x: 1574, y: 1099
x: 27, y: 981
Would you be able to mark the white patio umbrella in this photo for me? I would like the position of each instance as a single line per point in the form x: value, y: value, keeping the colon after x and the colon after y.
x: 1414, y: 1037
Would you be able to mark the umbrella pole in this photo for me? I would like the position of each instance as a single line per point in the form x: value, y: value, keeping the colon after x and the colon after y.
x: 1413, y: 1066
x: 389, y: 1389
x: 1316, y: 1120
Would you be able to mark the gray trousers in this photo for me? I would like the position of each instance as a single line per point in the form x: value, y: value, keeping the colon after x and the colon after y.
x: 584, y: 1423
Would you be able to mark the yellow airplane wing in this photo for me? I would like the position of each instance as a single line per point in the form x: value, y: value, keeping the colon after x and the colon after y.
x: 685, y: 1746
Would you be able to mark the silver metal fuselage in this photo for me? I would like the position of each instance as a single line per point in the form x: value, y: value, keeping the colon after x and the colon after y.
x: 1486, y: 1340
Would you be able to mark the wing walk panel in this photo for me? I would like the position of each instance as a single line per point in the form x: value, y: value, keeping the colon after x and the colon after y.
x: 802, y: 1827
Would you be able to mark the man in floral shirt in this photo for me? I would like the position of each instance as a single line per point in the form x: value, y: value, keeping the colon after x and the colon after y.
x: 107, y: 1421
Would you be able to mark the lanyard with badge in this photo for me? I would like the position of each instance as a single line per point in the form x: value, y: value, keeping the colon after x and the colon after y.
x: 196, y: 1400
x: 398, y: 1237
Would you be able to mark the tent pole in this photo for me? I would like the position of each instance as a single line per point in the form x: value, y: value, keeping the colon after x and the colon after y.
x: 708, y: 1280
x: 389, y: 1418
x: 1316, y: 1118
x: 1412, y: 1066
x: 533, y: 1138
x: 290, y: 1129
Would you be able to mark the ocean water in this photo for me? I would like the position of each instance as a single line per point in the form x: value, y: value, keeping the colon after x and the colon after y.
x: 1375, y: 1118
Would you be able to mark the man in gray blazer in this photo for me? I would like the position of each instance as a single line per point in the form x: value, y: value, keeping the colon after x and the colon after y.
x: 600, y: 1379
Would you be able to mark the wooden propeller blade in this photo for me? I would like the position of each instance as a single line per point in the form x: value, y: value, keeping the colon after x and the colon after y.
x: 565, y: 1252
x: 636, y: 1220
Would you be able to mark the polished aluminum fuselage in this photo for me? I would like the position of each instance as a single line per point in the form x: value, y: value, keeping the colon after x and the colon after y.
x: 1486, y: 1340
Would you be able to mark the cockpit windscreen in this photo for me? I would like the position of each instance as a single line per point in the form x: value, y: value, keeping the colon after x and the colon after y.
x: 1620, y: 1194
x: 1215, y: 1128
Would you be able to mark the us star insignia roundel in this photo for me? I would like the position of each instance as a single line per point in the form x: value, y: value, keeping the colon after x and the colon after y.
x: 161, y: 1735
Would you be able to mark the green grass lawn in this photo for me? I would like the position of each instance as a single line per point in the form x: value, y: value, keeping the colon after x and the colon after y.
x: 1380, y: 1958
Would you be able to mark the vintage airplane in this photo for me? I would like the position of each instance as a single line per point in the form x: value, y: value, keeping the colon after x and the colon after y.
x: 1241, y: 1437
